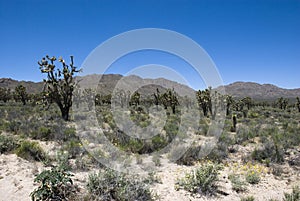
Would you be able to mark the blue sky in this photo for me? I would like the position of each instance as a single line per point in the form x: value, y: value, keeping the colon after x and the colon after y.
x: 248, y: 40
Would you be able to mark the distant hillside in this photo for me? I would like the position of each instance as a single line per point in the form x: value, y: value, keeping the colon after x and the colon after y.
x: 31, y: 87
x: 108, y: 83
x: 260, y: 91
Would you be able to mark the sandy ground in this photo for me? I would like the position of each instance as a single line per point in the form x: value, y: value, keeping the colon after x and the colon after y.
x: 17, y: 175
x: 269, y: 187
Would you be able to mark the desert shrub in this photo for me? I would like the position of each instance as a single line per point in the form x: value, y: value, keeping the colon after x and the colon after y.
x: 43, y: 133
x: 294, y: 196
x: 7, y: 144
x: 203, y: 180
x: 13, y: 126
x: 73, y: 147
x: 54, y: 184
x: 271, y: 150
x: 62, y: 159
x: 156, y: 160
x: 220, y: 152
x: 242, y: 134
x: 31, y: 151
x: 252, y: 177
x: 238, y: 184
x: 109, y: 185
x: 248, y: 198
x: 190, y: 155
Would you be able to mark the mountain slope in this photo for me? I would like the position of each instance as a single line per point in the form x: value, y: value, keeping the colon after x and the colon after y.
x: 109, y: 82
x: 260, y: 91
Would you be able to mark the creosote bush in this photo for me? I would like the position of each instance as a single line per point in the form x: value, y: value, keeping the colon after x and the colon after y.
x: 203, y: 180
x: 110, y: 185
x: 237, y: 183
x: 7, y: 144
x: 31, y: 151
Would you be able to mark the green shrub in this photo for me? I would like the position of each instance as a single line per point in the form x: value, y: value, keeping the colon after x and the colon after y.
x: 54, y: 184
x: 237, y: 184
x: 203, y: 180
x: 248, y: 198
x: 252, y: 177
x: 43, y: 133
x: 31, y: 151
x: 109, y: 185
x: 294, y: 196
x: 7, y: 144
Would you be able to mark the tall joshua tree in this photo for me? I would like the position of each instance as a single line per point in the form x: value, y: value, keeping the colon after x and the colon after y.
x: 5, y: 94
x: 21, y: 94
x: 204, y: 100
x: 60, y: 83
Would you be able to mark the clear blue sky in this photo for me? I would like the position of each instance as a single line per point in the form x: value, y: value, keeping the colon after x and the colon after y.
x: 248, y: 40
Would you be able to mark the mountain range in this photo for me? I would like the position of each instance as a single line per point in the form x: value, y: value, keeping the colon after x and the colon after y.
x: 108, y: 82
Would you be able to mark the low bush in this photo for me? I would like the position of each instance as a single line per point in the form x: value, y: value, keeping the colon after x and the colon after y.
x: 31, y: 151
x: 248, y: 198
x: 54, y: 184
x: 203, y: 180
x: 109, y: 185
x: 237, y: 183
x: 294, y: 196
x: 7, y: 144
x: 252, y: 177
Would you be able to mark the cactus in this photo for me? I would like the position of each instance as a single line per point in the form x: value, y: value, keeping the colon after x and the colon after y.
x: 248, y: 102
x: 5, y: 94
x: 204, y: 100
x: 157, y: 97
x: 298, y: 104
x: 169, y: 99
x: 135, y: 99
x: 282, y: 103
x: 234, y: 122
x: 229, y: 102
x: 21, y: 94
x: 60, y: 83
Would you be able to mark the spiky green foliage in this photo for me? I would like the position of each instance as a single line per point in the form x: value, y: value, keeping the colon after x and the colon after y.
x: 169, y: 99
x: 21, y: 94
x: 298, y: 104
x: 135, y: 99
x: 282, y: 103
x: 229, y: 102
x: 60, y: 83
x: 5, y: 94
x: 204, y: 100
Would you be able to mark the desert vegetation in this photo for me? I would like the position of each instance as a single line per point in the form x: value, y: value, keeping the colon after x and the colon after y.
x: 259, y: 142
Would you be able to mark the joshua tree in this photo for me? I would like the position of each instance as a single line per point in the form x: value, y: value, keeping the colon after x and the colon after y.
x: 21, y: 94
x: 248, y: 102
x: 169, y: 98
x: 282, y: 103
x: 60, y: 83
x: 204, y: 101
x: 234, y: 122
x: 229, y: 103
x: 135, y: 99
x: 157, y: 97
x: 298, y: 103
x: 5, y: 94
